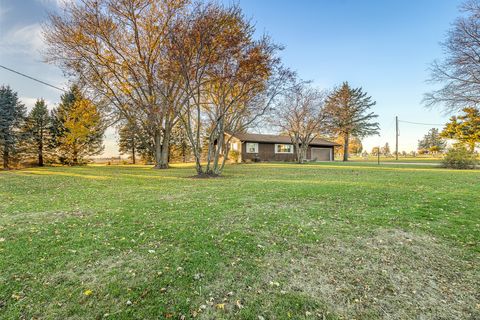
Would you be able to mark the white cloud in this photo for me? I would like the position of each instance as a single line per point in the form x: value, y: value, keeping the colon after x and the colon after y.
x: 58, y: 3
x: 29, y: 102
x: 26, y: 40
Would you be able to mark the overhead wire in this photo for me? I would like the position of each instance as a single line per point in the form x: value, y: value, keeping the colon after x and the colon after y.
x: 32, y: 78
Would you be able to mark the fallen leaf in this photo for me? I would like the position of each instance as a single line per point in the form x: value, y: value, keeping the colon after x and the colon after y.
x: 239, y: 304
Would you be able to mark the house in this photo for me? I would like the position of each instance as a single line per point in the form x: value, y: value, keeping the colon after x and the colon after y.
x: 267, y: 147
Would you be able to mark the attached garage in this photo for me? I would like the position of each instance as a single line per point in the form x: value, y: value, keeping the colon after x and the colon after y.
x: 321, y: 154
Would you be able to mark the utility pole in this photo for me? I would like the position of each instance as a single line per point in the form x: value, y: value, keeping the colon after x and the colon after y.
x: 396, y: 137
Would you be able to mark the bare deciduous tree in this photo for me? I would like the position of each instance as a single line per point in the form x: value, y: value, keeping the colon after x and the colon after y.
x: 300, y: 115
x: 459, y: 72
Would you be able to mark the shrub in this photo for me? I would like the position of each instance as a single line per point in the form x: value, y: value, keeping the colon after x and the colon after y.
x: 234, y: 156
x: 459, y: 157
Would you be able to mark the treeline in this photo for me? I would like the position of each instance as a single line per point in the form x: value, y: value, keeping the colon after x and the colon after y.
x: 67, y: 134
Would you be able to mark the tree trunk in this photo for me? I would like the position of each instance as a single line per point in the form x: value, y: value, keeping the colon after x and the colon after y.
x: 299, y: 152
x: 303, y: 154
x: 5, y: 158
x: 345, y: 146
x: 184, y: 153
x: 160, y: 161
x: 198, y: 164
x: 40, y: 154
x: 75, y: 156
x: 217, y: 170
x: 165, y: 153
x: 133, y: 153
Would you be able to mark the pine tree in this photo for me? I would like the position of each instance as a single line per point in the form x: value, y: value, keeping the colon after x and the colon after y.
x: 12, y: 116
x: 128, y: 142
x: 77, y: 128
x: 432, y: 141
x: 37, y: 129
x: 347, y: 112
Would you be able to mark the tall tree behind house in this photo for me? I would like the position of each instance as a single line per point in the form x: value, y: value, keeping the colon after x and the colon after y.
x: 348, y: 114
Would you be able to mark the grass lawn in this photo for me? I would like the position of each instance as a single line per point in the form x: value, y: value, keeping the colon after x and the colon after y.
x: 266, y: 241
x: 402, y: 159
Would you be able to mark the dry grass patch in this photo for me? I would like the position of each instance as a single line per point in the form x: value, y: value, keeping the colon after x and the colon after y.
x: 391, y: 275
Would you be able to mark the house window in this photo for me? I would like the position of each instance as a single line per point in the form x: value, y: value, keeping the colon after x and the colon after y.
x: 234, y: 146
x: 252, y: 147
x: 284, y: 148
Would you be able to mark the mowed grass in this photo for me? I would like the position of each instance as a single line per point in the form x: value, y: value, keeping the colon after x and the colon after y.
x: 409, y: 159
x: 265, y: 241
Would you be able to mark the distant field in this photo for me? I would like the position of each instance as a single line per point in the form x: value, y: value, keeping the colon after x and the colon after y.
x: 266, y: 241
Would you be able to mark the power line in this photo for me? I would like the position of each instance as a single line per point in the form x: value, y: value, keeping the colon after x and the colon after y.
x: 32, y: 78
x: 421, y: 123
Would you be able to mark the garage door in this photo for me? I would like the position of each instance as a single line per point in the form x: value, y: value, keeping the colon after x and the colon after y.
x: 321, y: 154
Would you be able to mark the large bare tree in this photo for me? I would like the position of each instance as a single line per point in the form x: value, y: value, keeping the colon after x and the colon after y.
x: 300, y: 115
x: 228, y: 78
x: 118, y: 50
x: 459, y: 71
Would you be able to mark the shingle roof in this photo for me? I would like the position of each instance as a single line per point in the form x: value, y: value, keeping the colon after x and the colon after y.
x: 270, y: 138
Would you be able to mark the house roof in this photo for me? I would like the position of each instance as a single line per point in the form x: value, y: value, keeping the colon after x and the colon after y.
x: 270, y: 138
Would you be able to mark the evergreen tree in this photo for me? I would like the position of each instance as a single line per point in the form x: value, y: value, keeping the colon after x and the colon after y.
x: 128, y: 142
x: 347, y: 112
x: 432, y: 141
x: 180, y: 147
x: 37, y: 129
x: 59, y: 114
x: 77, y: 128
x: 386, y: 149
x: 12, y: 116
x: 464, y: 128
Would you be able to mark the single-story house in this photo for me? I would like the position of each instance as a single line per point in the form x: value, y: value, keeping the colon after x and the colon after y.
x: 267, y: 147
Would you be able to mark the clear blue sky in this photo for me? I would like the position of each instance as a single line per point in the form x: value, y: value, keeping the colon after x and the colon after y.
x: 384, y: 46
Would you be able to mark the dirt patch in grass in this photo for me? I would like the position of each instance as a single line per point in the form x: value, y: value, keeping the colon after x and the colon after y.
x: 391, y: 275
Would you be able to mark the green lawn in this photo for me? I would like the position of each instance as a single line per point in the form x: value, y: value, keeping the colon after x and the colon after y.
x: 266, y: 241
x: 418, y: 159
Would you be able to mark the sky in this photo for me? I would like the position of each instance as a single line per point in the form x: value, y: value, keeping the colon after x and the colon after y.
x: 383, y: 46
